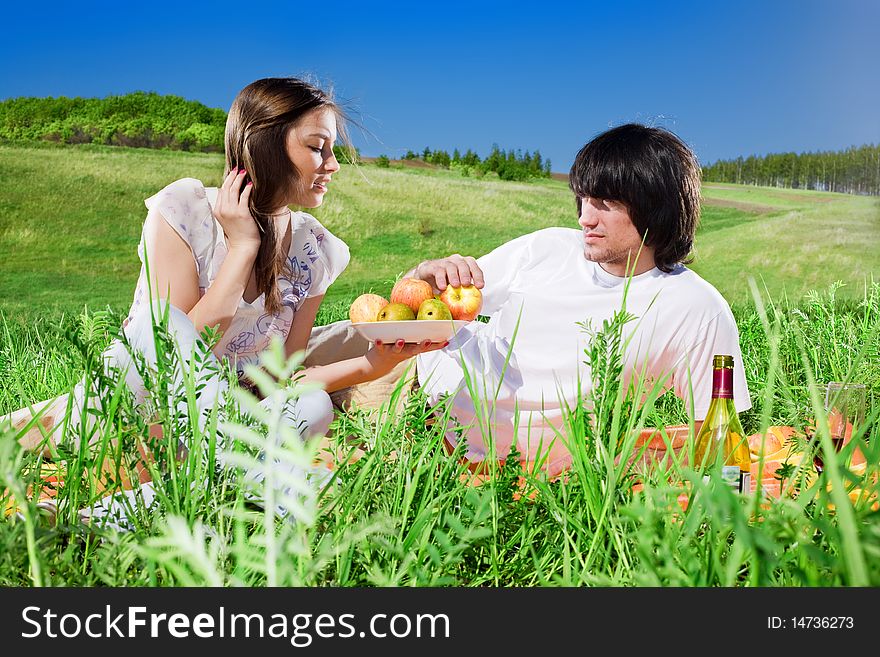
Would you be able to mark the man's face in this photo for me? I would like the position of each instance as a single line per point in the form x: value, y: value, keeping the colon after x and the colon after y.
x: 610, y: 237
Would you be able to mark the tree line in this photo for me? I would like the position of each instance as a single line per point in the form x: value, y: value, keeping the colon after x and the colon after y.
x: 145, y: 120
x: 509, y: 165
x: 855, y: 170
x: 150, y: 120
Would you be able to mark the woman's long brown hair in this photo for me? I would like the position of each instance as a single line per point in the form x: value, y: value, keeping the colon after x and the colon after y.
x: 256, y: 132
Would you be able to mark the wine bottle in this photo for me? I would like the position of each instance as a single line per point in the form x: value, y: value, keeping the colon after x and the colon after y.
x: 721, y: 437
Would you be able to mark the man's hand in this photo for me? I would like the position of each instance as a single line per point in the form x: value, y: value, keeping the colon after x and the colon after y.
x: 455, y: 270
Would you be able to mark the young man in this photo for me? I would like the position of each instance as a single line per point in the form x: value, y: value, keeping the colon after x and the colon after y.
x: 637, y: 191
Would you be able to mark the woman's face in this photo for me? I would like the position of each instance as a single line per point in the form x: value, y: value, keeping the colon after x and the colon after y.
x: 310, y: 148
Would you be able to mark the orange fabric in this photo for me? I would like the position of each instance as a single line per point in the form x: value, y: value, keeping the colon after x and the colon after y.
x: 777, y: 444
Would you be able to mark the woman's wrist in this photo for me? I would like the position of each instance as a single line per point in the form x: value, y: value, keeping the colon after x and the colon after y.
x: 245, y: 249
x: 376, y: 365
x: 345, y: 373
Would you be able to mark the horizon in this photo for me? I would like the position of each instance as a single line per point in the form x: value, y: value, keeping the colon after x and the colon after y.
x: 463, y: 148
x: 545, y: 81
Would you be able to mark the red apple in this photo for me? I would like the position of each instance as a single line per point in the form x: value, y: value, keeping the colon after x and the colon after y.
x: 464, y: 302
x: 366, y: 307
x: 412, y: 292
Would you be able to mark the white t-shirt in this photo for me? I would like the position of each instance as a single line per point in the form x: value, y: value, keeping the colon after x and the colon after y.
x: 682, y: 321
x: 316, y: 258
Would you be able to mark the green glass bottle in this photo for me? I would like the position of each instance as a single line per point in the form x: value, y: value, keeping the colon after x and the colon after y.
x: 721, y: 437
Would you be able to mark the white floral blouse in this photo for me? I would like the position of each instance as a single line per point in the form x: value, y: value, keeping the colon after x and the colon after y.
x: 316, y: 258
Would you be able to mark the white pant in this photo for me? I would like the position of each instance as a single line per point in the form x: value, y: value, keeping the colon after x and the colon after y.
x: 311, y: 413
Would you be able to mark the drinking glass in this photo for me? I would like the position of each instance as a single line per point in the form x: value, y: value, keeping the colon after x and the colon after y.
x: 845, y: 404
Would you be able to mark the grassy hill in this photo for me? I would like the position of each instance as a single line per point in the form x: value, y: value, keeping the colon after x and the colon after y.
x: 405, y: 513
x: 793, y: 241
x: 70, y: 220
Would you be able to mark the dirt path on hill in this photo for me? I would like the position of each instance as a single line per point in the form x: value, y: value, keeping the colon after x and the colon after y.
x: 754, y: 208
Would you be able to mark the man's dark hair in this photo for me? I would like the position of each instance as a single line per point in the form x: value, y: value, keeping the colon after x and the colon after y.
x: 657, y: 177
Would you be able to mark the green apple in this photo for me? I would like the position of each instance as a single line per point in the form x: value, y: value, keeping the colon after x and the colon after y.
x: 394, y: 312
x: 433, y: 309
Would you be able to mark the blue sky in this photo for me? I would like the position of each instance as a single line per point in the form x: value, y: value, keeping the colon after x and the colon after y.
x: 730, y: 78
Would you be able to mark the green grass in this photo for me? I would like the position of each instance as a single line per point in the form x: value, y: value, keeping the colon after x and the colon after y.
x: 792, y: 241
x: 70, y: 221
x: 401, y: 514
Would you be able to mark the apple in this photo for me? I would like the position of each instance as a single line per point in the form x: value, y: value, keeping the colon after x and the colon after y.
x: 412, y: 292
x: 366, y: 307
x: 433, y: 309
x: 395, y: 312
x: 464, y: 302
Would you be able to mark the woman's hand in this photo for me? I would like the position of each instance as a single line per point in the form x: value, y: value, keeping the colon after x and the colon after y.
x: 455, y: 270
x: 384, y: 357
x: 231, y: 210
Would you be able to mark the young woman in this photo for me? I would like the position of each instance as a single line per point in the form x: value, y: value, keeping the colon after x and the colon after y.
x: 237, y: 257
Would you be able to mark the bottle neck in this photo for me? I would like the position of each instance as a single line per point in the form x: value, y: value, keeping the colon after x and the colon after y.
x: 722, y: 383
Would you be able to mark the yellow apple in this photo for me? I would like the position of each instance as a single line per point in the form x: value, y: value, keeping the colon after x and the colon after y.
x: 394, y: 312
x: 433, y: 309
x: 412, y: 292
x: 464, y: 302
x: 366, y: 307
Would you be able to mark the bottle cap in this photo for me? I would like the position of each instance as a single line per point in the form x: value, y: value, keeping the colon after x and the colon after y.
x: 724, y: 362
